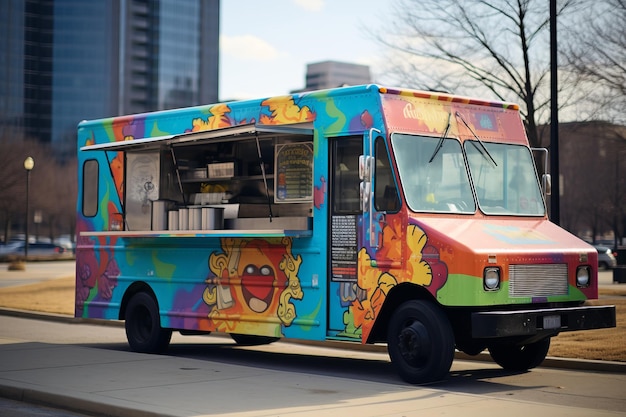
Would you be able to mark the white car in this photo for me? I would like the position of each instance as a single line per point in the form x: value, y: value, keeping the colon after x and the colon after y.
x: 606, y: 257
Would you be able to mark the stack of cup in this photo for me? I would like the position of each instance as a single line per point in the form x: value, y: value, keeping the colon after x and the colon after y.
x: 172, y: 220
x: 183, y: 219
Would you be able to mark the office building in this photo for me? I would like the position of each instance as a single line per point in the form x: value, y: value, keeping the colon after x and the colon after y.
x: 331, y: 74
x: 62, y: 61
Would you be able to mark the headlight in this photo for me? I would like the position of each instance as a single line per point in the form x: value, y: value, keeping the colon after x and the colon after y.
x: 583, y: 276
x: 491, y: 279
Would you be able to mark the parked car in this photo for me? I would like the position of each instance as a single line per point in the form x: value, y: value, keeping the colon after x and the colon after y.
x: 606, y: 258
x: 10, y: 246
x: 36, y: 251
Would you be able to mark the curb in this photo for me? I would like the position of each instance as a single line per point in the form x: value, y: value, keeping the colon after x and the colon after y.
x: 549, y: 362
x: 64, y: 402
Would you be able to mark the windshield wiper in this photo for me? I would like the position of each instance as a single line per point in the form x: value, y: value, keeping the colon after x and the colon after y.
x: 484, y: 151
x: 441, y: 139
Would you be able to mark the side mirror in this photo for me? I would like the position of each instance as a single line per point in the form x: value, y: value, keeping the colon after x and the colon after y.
x: 361, y: 167
x: 365, y: 195
x: 546, y: 183
x: 365, y: 168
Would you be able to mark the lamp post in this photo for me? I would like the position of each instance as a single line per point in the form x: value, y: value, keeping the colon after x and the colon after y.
x: 29, y: 163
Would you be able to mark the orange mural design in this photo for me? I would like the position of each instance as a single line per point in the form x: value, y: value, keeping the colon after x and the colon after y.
x: 377, y: 283
x: 253, y: 285
x: 117, y: 169
x: 118, y: 126
x: 284, y: 111
x: 91, y: 140
x: 117, y: 163
x: 219, y: 119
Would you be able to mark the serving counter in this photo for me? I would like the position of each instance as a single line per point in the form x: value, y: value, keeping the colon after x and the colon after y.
x: 240, y: 227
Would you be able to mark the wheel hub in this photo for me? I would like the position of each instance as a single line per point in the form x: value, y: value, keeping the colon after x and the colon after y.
x: 414, y: 343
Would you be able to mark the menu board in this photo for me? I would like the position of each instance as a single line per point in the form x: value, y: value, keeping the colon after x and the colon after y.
x: 343, y: 251
x: 293, y: 170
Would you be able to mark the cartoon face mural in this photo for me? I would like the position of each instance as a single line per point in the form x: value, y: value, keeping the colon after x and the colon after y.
x: 252, y: 284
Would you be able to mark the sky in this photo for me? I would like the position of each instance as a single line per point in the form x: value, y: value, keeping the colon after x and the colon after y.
x: 265, y: 46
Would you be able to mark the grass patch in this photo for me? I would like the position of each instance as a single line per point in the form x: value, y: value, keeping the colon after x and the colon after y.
x: 55, y: 296
x: 602, y: 344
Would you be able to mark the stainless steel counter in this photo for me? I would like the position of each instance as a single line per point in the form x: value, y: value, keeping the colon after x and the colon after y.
x: 264, y: 223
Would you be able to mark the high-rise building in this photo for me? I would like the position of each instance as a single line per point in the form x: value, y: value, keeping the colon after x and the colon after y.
x: 331, y: 74
x: 62, y: 61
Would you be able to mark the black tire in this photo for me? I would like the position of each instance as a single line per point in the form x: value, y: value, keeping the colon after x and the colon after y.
x: 252, y: 340
x: 420, y: 342
x: 143, y: 325
x: 520, y: 358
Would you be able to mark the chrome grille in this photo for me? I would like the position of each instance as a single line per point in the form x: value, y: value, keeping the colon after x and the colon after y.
x: 539, y: 280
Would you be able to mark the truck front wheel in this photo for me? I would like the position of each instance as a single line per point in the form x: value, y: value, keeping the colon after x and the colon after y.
x: 143, y: 325
x: 520, y: 357
x: 420, y: 342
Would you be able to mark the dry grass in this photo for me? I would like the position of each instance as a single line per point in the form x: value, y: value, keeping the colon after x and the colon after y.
x: 57, y: 297
x: 603, y: 344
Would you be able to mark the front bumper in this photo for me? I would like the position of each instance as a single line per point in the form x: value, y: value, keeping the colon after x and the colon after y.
x: 499, y: 324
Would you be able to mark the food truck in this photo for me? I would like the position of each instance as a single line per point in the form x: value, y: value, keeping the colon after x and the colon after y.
x: 361, y: 214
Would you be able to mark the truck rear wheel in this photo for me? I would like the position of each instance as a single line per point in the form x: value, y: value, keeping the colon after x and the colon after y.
x: 520, y: 357
x: 143, y: 325
x: 420, y: 342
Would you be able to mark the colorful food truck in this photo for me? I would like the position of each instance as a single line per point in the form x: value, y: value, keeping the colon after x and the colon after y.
x: 364, y: 214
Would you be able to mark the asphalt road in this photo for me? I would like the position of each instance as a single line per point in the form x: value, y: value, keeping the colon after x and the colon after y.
x: 13, y: 408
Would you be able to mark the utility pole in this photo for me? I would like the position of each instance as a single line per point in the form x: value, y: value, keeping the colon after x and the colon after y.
x: 555, y: 212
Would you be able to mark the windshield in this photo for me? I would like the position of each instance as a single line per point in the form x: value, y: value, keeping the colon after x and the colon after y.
x: 434, y: 176
x: 508, y: 187
x: 433, y: 180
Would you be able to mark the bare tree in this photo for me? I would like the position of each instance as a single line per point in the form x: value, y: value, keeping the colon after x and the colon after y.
x: 594, y: 54
x: 52, y: 187
x: 594, y: 51
x: 498, y: 45
x: 14, y: 149
x: 61, y: 188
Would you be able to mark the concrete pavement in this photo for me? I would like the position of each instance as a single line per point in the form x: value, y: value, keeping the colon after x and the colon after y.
x: 112, y: 382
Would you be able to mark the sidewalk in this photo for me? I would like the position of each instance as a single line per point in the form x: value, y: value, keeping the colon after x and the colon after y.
x: 119, y: 383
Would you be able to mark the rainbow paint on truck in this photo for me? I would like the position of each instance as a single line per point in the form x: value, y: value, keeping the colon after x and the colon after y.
x: 365, y: 214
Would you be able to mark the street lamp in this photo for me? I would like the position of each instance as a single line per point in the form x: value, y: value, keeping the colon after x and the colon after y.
x: 29, y: 163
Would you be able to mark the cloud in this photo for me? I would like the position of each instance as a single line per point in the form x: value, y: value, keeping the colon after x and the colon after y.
x: 310, y: 5
x: 248, y: 48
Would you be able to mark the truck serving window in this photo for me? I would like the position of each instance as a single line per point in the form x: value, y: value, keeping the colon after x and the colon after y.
x: 508, y: 187
x: 433, y: 174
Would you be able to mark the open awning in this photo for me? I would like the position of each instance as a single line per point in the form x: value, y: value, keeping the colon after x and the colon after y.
x: 234, y: 132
